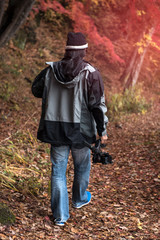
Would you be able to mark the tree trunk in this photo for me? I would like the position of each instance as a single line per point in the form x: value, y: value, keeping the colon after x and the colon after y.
x: 2, y: 8
x: 12, y: 15
x: 131, y: 73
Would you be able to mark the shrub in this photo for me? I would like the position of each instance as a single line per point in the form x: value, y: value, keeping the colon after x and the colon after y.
x: 131, y: 101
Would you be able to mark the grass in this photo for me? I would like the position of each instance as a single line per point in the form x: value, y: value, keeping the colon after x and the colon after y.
x: 131, y: 101
x: 24, y: 164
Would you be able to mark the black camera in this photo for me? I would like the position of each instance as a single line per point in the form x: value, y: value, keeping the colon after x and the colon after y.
x: 98, y: 155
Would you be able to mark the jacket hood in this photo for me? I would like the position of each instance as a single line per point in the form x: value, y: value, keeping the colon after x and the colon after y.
x: 67, y: 70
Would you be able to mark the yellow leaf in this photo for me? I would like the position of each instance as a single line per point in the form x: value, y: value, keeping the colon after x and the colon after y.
x: 144, y: 111
x: 148, y: 37
x: 139, y: 224
x: 139, y: 13
x: 140, y: 50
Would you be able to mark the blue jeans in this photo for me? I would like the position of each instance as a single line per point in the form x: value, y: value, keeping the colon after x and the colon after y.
x: 59, y: 193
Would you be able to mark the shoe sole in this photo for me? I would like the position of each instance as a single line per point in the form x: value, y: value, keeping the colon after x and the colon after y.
x: 59, y: 224
x: 82, y: 204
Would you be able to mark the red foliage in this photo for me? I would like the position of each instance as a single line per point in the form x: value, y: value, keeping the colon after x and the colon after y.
x: 84, y: 23
x: 81, y: 22
x: 44, y: 5
x: 149, y: 13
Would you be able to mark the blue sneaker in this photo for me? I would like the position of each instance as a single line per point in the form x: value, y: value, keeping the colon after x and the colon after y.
x: 58, y: 222
x: 85, y: 203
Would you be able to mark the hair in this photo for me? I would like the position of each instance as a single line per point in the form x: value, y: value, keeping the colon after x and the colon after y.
x: 71, y: 64
x: 72, y: 54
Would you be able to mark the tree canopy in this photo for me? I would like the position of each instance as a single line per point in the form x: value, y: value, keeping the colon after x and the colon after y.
x: 136, y: 21
x: 137, y: 16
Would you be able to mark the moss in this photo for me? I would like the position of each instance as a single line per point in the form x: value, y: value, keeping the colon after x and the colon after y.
x: 6, y: 216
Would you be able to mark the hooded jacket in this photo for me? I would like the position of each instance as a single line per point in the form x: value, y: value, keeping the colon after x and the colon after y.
x: 73, y: 105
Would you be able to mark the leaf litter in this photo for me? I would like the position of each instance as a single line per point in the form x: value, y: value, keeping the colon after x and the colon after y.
x: 125, y: 195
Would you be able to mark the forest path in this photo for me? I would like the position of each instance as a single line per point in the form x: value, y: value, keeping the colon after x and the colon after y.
x: 125, y: 195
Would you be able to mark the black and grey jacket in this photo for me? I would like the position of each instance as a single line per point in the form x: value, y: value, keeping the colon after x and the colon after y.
x: 72, y: 111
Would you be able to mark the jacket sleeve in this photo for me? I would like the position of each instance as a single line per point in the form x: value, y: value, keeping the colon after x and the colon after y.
x: 97, y: 102
x: 38, y: 83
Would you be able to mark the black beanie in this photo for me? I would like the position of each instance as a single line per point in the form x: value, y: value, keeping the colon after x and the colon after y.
x: 76, y: 41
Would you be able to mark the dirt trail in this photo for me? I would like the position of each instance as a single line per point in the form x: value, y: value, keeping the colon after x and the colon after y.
x: 125, y: 195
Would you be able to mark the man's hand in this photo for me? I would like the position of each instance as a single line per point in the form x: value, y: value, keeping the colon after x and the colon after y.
x: 104, y: 139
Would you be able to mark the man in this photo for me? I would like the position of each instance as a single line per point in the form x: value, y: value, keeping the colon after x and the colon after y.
x: 73, y: 111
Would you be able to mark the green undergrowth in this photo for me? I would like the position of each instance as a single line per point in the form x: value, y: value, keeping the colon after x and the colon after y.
x: 6, y: 215
x: 25, y: 164
x: 130, y: 101
x: 7, y: 89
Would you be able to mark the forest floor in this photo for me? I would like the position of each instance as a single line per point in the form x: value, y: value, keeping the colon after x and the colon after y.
x: 125, y: 201
x: 125, y: 195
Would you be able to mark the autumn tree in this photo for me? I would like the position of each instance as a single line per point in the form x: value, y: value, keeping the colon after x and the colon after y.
x: 142, y: 22
x: 78, y: 12
x: 144, y: 18
x: 14, y: 12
